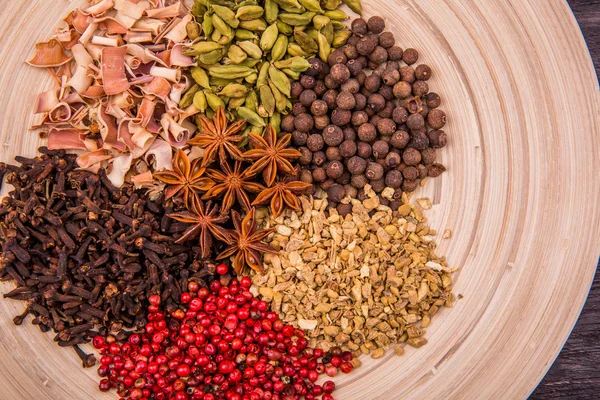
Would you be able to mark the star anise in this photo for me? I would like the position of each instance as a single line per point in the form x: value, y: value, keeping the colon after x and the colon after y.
x: 271, y: 155
x: 218, y: 138
x: 246, y: 243
x: 283, y: 193
x: 206, y: 224
x: 185, y: 180
x: 232, y: 185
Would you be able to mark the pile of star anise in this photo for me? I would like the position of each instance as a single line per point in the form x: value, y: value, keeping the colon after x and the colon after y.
x: 226, y: 183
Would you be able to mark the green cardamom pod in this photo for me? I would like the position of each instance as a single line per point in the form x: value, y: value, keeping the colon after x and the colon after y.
x: 354, y: 5
x: 275, y: 121
x: 280, y: 80
x: 216, y: 35
x: 244, y: 34
x: 262, y: 111
x: 305, y: 42
x: 188, y: 98
x: 297, y: 19
x: 337, y: 15
x: 210, y: 58
x: 226, y: 39
x: 251, y: 49
x: 324, y: 47
x: 214, y: 101
x: 227, y: 15
x: 248, y: 13
x: 201, y: 48
x: 319, y: 21
x: 203, y: 3
x: 280, y: 99
x: 252, y: 117
x: 236, y: 55
x: 200, y: 101
x: 252, y: 78
x: 219, y: 83
x: 331, y: 4
x: 245, y: 3
x: 198, y: 10
x: 311, y: 5
x: 235, y: 102
x: 222, y: 26
x: 209, y: 113
x: 279, y: 48
x: 289, y: 3
x: 234, y: 90
x: 257, y: 130
x: 312, y: 33
x: 254, y: 25
x: 251, y: 100
x: 249, y: 62
x: 263, y: 74
x: 230, y: 71
x: 295, y: 50
x: 200, y: 76
x: 268, y: 38
x: 340, y: 38
x: 271, y: 11
x: 327, y: 31
x: 284, y: 28
x: 295, y: 75
x: 207, y: 24
x: 267, y: 100
x: 338, y: 25
x: 193, y: 30
x: 297, y: 64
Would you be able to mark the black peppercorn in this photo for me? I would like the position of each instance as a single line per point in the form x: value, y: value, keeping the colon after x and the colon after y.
x: 436, y: 119
x: 359, y: 26
x: 317, y: 108
x: 410, y: 56
x: 356, y: 165
x: 333, y: 135
x: 319, y: 158
x: 437, y: 138
x: 364, y: 150
x: 341, y: 117
x: 335, y: 169
x: 402, y: 90
x: 374, y: 171
x: 345, y: 100
x: 336, y: 193
x: 432, y: 100
x: 307, y: 97
x: 400, y: 139
x: 348, y: 148
x: 337, y: 57
x: 315, y: 142
x: 376, y: 24
x: 359, y: 181
x: 306, y: 157
x: 411, y: 156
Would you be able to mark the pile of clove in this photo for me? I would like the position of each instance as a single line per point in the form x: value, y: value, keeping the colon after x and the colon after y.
x: 86, y: 256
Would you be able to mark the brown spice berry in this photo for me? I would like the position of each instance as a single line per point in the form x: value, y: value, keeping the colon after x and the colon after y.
x: 287, y: 123
x: 419, y: 140
x: 307, y: 97
x: 304, y: 122
x: 402, y: 90
x: 306, y: 176
x: 374, y: 171
x: 412, y: 104
x: 359, y: 181
x: 352, y: 40
x: 340, y: 73
x: 393, y: 159
x: 298, y: 109
x: 411, y: 156
x: 361, y: 77
x: 315, y: 142
x: 355, y: 67
x: 386, y: 126
x: 349, y: 133
x: 361, y: 101
x: 317, y: 108
x: 364, y: 150
x: 341, y: 117
x: 333, y: 154
x: 410, y: 173
x: 330, y: 97
x: 400, y: 139
x: 350, y: 52
x: 320, y: 88
x: 407, y: 74
x: 436, y: 170
x: 400, y: 115
x: 372, y: 83
x: 306, y: 157
x: 321, y: 122
x: 410, y: 56
x: 337, y: 57
x: 351, y: 85
x: 319, y: 158
x: 344, y: 209
x: 348, y: 148
x: 326, y: 184
x: 393, y: 179
x: 336, y: 193
x: 388, y: 94
x: 367, y: 132
x: 330, y: 82
x: 387, y: 39
x: 345, y: 100
x: 395, y: 53
x: 296, y: 90
x: 315, y: 68
x: 422, y: 171
x: 410, y: 186
x: 423, y: 72
x: 307, y: 81
x: 359, y: 118
x: 437, y: 138
x: 379, y: 55
x: 333, y: 135
x: 380, y: 149
x: 376, y: 24
x: 433, y: 100
x: 299, y: 138
x: 344, y: 178
x: 415, y: 121
x: 362, y: 195
x: 420, y: 88
x: 350, y: 190
x: 428, y: 156
x: 377, y: 185
x: 367, y: 44
x: 319, y: 175
x: 359, y: 26
x: 436, y: 119
x: 391, y: 77
x: 424, y: 110
x: 388, y: 110
x: 335, y: 169
x: 376, y: 102
x: 356, y: 165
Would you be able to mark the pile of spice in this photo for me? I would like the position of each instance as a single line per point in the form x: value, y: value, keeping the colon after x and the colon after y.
x: 367, y: 117
x: 221, y: 343
x: 365, y: 282
x: 86, y: 256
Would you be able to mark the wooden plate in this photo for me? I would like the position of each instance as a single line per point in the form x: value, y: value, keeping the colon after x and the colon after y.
x: 521, y: 195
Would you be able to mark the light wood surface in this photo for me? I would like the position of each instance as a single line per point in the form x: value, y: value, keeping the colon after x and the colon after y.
x: 521, y: 195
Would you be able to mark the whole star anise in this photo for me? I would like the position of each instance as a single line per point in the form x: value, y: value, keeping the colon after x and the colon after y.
x: 218, y: 138
x: 185, y: 180
x: 206, y: 224
x: 246, y: 243
x: 271, y: 155
x: 283, y: 193
x: 232, y: 185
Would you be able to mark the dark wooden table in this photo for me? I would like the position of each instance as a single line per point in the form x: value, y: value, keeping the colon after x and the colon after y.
x: 576, y: 372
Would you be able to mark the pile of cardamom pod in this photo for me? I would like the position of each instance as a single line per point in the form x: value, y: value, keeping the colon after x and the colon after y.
x: 248, y: 53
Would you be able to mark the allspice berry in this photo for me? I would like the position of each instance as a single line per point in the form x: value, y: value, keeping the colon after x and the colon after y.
x: 306, y: 156
x: 307, y: 81
x: 374, y: 171
x: 307, y: 97
x: 361, y: 101
x: 341, y: 117
x: 299, y: 138
x: 367, y: 132
x: 321, y: 121
x: 359, y: 26
x: 287, y: 123
x: 400, y: 139
x: 351, y: 85
x: 388, y: 110
x: 298, y: 108
x: 436, y: 119
x: 333, y: 135
x: 335, y: 169
x: 386, y: 126
x: 356, y: 165
x: 336, y: 193
x: 376, y: 102
x: 410, y: 56
x: 330, y: 82
x: 340, y: 73
x: 423, y: 72
x: 349, y: 133
x: 377, y: 185
x: 407, y: 74
x: 379, y: 55
x: 318, y: 108
x: 333, y: 154
x: 391, y: 77
x: 350, y: 190
x: 367, y: 44
x: 419, y: 140
x: 364, y: 150
x: 306, y: 176
x: 393, y: 159
x: 344, y: 178
x: 410, y: 173
x: 387, y: 39
x: 395, y: 53
x: 402, y: 90
x: 354, y: 66
x: 330, y: 97
x: 373, y: 83
x: 296, y: 89
x: 411, y: 156
x: 433, y: 100
x: 410, y: 186
x: 376, y: 24
x: 319, y: 175
x: 420, y: 88
x: 344, y: 209
x: 319, y: 158
x: 415, y: 121
x: 435, y: 170
x: 359, y: 181
x: 350, y: 52
x: 348, y: 148
x: 394, y: 179
x: 326, y: 184
x: 400, y: 115
x: 315, y: 142
x: 337, y: 57
x: 359, y: 118
x: 320, y: 88
x: 304, y: 122
x: 345, y: 100
x: 428, y: 156
x: 437, y: 138
x: 380, y: 149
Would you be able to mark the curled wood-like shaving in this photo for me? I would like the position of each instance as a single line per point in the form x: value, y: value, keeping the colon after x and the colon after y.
x: 49, y: 54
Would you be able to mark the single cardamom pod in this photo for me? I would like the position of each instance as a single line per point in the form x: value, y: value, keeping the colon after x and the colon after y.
x: 219, y: 83
x: 248, y: 13
x: 279, y: 48
x: 289, y: 3
x: 291, y: 73
x: 251, y: 49
x: 251, y: 102
x: 263, y: 74
x: 297, y: 64
x: 252, y: 117
x: 324, y: 47
x: 254, y: 25
x: 305, y: 42
x: 226, y: 39
x: 201, y: 48
x: 235, y: 54
x: 227, y: 15
x: 275, y: 121
x: 193, y: 30
x: 271, y: 11
x: 267, y: 99
x: 252, y: 78
x: 338, y: 25
x: 340, y: 38
x: 312, y: 33
x: 230, y: 71
x: 319, y: 21
x: 280, y: 80
x: 249, y: 62
x: 222, y: 26
x: 295, y: 50
x: 216, y: 35
x: 244, y: 34
x: 214, y: 101
x: 311, y: 5
x: 327, y: 31
x: 284, y: 28
x: 331, y: 4
x: 354, y: 5
x: 297, y: 19
x: 234, y: 90
x: 210, y: 58
x: 207, y: 24
x: 235, y: 103
x: 200, y: 102
x: 337, y: 15
x: 268, y: 38
x: 188, y: 98
x: 198, y: 10
x: 281, y: 102
x: 200, y: 76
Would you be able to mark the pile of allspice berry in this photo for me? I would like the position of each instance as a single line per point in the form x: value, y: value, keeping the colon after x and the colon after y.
x: 366, y: 116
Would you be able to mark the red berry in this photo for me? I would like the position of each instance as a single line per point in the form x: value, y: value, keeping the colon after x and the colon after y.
x: 346, y: 367
x: 328, y: 386
x: 222, y: 269
x: 183, y: 370
x: 154, y: 300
